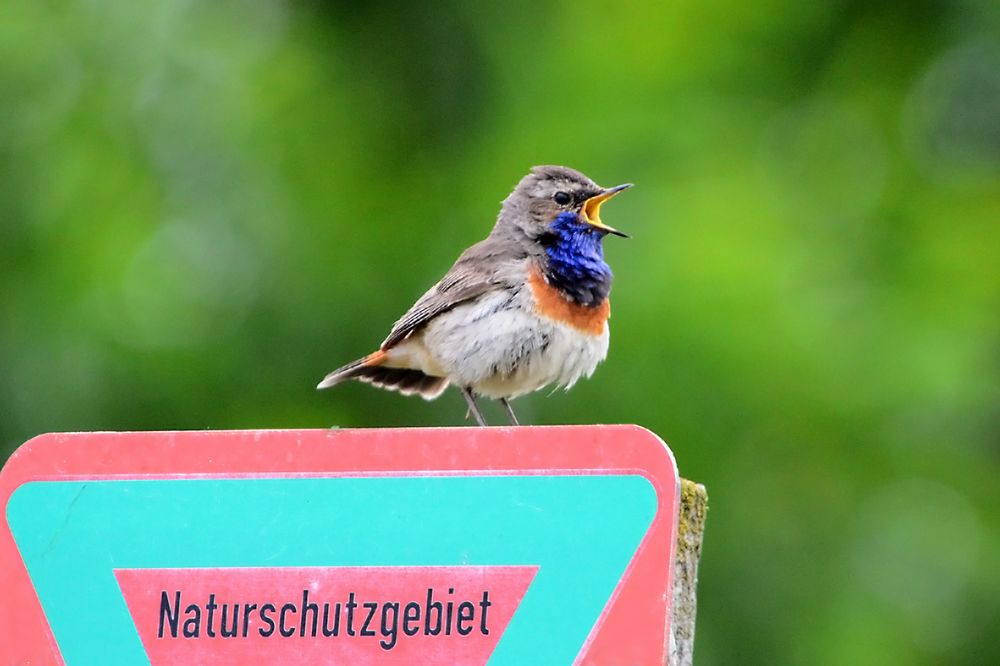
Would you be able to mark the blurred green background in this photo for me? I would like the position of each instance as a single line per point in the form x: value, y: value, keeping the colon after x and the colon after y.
x: 205, y: 206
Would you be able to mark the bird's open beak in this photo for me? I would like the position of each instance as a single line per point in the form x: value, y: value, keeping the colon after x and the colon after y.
x: 591, y: 210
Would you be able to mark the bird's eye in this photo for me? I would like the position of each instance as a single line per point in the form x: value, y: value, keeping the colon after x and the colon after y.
x: 562, y: 198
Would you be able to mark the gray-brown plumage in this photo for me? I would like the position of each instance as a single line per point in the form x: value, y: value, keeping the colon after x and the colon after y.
x: 522, y: 308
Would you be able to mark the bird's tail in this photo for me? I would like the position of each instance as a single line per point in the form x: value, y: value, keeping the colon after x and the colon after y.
x: 371, y: 369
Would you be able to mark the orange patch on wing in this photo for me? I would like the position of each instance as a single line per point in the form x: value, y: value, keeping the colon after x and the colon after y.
x: 551, y: 303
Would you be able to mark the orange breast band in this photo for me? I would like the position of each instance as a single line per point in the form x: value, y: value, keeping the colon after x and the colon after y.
x: 551, y: 303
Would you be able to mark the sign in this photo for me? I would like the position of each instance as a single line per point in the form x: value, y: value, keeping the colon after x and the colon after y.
x: 541, y: 545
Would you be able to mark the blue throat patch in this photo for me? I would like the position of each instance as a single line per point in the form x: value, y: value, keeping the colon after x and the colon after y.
x: 576, y: 261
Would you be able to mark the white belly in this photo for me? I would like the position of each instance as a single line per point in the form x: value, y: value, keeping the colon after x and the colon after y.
x: 502, y: 349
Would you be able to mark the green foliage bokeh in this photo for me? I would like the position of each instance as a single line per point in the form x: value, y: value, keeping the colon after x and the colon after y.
x: 205, y: 206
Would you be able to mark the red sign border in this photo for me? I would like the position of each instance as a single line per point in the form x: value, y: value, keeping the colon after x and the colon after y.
x: 638, y: 606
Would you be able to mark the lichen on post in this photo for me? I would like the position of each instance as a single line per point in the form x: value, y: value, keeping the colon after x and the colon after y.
x: 684, y: 602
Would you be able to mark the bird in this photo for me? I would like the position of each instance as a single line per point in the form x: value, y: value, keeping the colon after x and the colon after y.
x: 525, y: 308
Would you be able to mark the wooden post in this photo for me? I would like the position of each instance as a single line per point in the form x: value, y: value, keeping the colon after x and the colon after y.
x: 684, y: 604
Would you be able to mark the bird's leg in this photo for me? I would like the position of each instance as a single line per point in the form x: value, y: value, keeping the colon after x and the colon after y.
x: 510, y: 411
x: 470, y: 400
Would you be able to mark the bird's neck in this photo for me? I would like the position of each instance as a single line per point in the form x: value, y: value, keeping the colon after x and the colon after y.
x: 575, y: 261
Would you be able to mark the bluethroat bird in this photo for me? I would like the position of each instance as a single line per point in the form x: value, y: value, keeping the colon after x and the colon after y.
x: 524, y: 308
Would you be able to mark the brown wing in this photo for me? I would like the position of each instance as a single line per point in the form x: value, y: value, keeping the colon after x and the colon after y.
x: 437, y: 300
x: 471, y: 276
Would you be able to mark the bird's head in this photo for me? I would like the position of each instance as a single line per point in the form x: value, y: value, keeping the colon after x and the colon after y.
x: 549, y: 192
